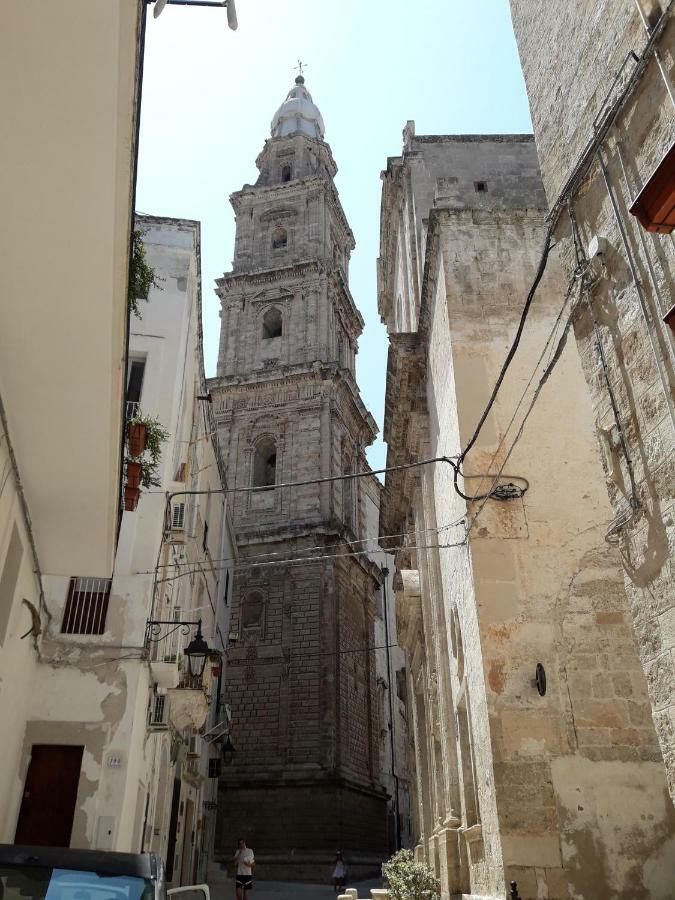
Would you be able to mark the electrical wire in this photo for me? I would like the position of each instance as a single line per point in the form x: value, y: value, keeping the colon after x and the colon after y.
x: 549, y: 343
x: 316, y: 558
x: 271, y: 554
x: 540, y: 385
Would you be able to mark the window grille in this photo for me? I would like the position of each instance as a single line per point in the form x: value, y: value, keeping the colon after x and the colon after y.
x: 87, y: 606
x: 214, y: 767
x: 178, y: 516
x: 159, y: 710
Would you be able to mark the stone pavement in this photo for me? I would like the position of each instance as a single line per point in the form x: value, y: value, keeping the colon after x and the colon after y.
x: 286, y: 890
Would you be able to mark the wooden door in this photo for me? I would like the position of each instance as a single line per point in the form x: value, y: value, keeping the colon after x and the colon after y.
x: 187, y: 843
x: 173, y: 829
x: 49, y: 797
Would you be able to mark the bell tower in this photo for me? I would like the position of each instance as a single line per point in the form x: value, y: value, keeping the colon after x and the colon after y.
x: 301, y: 675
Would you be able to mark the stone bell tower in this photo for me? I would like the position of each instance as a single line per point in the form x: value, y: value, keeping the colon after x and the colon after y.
x: 301, y: 676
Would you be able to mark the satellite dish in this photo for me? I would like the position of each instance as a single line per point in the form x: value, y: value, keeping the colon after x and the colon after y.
x: 231, y: 15
x: 159, y: 8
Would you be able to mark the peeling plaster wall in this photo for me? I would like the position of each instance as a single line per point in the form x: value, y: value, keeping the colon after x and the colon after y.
x: 570, y: 56
x: 528, y: 790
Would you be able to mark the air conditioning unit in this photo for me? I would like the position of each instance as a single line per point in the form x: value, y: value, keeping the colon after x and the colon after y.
x: 177, y: 529
x: 159, y: 712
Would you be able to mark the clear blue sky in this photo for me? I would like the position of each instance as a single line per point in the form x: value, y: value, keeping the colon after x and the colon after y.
x: 209, y: 95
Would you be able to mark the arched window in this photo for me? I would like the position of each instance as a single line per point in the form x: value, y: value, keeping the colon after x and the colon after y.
x: 286, y: 173
x: 272, y: 324
x: 265, y: 463
x: 252, y: 609
x: 279, y: 238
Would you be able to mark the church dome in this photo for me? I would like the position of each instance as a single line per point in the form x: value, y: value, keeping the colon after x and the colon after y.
x: 298, y: 113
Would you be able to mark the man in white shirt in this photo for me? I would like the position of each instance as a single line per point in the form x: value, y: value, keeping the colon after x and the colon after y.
x: 244, y: 860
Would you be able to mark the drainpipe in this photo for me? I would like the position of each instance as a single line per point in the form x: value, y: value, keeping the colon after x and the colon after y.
x: 643, y: 242
x: 385, y: 575
x: 638, y: 287
x: 657, y: 55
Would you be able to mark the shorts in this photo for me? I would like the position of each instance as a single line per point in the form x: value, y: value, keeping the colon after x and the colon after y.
x: 245, y: 882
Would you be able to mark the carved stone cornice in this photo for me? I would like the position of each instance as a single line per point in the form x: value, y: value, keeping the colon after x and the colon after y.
x: 405, y: 425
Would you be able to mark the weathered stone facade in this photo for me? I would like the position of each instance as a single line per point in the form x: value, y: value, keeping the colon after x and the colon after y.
x: 587, y: 93
x: 302, y: 678
x: 564, y: 790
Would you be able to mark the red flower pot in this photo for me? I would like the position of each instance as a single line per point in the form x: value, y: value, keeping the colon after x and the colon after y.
x: 138, y: 438
x: 134, y: 471
x: 131, y: 495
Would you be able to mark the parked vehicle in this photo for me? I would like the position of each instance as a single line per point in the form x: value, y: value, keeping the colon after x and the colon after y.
x: 59, y: 873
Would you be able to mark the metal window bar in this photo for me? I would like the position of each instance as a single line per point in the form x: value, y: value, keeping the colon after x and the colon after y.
x: 159, y: 710
x: 132, y: 408
x: 173, y: 640
x: 87, y: 606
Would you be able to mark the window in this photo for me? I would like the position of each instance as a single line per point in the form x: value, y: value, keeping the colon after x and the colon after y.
x: 279, y: 238
x: 205, y: 539
x: 480, y: 187
x: 86, y: 606
x: 134, y: 386
x: 272, y: 324
x: 286, y: 173
x: 252, y: 610
x: 214, y: 767
x: 265, y: 463
x: 226, y: 595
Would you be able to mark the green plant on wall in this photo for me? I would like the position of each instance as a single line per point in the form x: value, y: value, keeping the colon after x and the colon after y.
x: 410, y: 880
x: 141, y: 276
x: 151, y: 456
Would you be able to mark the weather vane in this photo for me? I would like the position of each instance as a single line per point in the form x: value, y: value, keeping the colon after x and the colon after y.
x: 300, y: 66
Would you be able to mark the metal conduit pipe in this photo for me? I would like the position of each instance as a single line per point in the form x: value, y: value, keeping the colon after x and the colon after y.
x: 657, y: 55
x: 650, y: 268
x: 638, y: 287
x: 24, y: 509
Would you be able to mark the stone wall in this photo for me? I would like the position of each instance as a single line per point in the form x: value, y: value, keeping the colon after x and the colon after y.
x: 570, y: 57
x: 512, y: 784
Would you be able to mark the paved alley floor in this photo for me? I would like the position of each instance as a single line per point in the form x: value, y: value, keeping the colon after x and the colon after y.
x: 286, y: 890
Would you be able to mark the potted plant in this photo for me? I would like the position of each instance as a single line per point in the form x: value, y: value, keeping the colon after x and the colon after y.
x: 410, y: 880
x: 131, y: 495
x: 137, y: 436
x: 134, y: 473
x: 143, y: 456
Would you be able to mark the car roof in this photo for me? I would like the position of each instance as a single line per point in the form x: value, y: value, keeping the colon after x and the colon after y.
x: 143, y: 865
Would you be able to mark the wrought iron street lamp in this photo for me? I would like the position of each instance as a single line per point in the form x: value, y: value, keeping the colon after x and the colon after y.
x: 197, y: 652
x: 228, y: 751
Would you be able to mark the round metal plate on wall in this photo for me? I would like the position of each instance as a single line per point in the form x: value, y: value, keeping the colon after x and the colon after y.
x: 540, y: 679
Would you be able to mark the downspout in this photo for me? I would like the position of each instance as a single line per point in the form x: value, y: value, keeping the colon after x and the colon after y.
x: 638, y: 287
x: 24, y: 510
x: 385, y: 575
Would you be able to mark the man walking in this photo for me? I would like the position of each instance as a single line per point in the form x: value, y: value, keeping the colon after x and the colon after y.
x: 244, y: 860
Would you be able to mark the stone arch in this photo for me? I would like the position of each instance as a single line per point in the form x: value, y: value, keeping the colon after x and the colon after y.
x: 279, y: 237
x: 272, y: 323
x: 252, y: 610
x: 264, y: 472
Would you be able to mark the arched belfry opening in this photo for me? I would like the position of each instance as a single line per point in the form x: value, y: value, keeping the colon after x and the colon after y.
x: 265, y: 463
x: 279, y: 238
x: 272, y: 324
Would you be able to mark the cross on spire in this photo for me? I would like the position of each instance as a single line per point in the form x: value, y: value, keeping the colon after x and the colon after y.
x: 300, y: 66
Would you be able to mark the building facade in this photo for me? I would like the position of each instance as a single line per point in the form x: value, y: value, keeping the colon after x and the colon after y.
x: 605, y: 148
x: 119, y: 743
x: 535, y: 757
x: 302, y: 676
x: 61, y: 401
